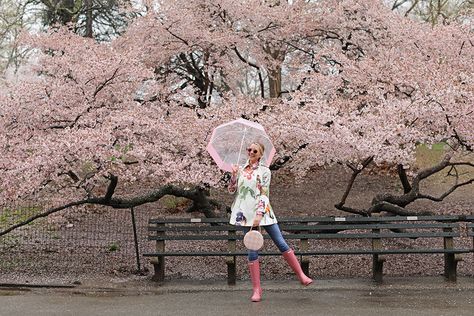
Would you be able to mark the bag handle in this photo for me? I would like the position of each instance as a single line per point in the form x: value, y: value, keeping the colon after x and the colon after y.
x: 259, y: 228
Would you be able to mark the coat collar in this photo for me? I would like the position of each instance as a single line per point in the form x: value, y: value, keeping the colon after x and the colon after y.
x: 247, y: 163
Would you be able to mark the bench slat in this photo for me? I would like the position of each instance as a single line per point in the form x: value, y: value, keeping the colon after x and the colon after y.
x: 193, y: 228
x: 332, y: 219
x: 368, y: 226
x: 361, y: 219
x: 298, y: 227
x: 314, y: 236
x: 313, y: 252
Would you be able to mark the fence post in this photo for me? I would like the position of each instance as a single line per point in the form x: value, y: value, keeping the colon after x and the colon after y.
x: 135, y: 239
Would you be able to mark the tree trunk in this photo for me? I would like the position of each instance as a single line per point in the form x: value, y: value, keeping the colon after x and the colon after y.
x: 89, y: 18
x: 274, y: 82
x: 274, y: 71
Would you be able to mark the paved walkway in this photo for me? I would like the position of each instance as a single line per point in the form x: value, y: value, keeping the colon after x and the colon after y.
x: 405, y: 296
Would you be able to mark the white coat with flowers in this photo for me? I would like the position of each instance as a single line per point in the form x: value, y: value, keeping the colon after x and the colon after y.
x: 252, y: 188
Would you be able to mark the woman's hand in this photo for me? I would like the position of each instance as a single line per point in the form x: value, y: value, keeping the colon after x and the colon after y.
x: 235, y: 169
x: 257, y: 220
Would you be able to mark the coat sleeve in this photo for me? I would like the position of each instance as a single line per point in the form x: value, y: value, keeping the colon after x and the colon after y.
x: 263, y: 185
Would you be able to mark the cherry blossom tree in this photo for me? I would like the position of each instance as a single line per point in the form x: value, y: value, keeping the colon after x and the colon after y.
x: 381, y: 85
x: 341, y: 82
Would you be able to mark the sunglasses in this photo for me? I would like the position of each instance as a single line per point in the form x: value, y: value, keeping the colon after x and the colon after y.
x: 250, y: 150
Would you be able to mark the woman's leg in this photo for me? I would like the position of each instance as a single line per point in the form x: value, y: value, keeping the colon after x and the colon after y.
x: 275, y: 234
x: 289, y: 255
x: 254, y: 269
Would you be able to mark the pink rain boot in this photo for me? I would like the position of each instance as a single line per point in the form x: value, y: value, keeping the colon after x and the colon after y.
x: 295, y: 265
x: 254, y: 267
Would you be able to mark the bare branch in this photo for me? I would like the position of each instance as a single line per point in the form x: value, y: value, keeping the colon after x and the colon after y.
x: 445, y: 194
x: 260, y: 78
x: 351, y: 210
x: 354, y: 175
x: 404, y: 179
x: 111, y: 188
x: 103, y: 84
x: 461, y: 164
x: 425, y: 173
x: 44, y: 214
x: 412, y: 7
x: 394, y: 209
x: 198, y: 195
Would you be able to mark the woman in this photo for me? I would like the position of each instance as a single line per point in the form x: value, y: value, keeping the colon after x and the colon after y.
x: 252, y: 208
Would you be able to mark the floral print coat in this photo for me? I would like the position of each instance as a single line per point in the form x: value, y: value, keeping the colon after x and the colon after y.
x: 252, y: 190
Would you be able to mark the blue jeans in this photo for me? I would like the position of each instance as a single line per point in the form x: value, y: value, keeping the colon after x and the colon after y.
x: 275, y: 234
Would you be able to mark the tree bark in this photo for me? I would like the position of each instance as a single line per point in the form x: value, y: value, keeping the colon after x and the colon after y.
x: 89, y: 18
x: 274, y: 82
x: 274, y: 71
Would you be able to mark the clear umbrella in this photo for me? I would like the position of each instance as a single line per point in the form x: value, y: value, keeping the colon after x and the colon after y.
x: 229, y: 142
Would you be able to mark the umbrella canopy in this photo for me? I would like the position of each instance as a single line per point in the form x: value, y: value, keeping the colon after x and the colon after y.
x: 229, y: 142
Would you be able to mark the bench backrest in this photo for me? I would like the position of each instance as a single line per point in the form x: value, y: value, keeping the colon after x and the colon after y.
x: 310, y: 228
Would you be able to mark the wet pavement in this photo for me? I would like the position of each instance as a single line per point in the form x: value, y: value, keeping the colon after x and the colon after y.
x: 405, y: 296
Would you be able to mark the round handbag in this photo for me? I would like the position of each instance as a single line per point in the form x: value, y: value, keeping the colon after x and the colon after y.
x: 253, y: 240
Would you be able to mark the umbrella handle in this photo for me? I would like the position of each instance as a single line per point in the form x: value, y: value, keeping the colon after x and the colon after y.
x: 241, y: 144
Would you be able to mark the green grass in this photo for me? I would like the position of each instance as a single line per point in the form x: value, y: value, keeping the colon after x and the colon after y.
x: 9, y: 216
x: 113, y: 247
x: 171, y: 202
x: 426, y: 156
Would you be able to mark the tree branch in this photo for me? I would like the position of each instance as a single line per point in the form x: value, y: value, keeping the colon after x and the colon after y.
x: 445, y: 194
x: 198, y: 195
x: 111, y: 188
x: 355, y: 173
x: 283, y: 160
x: 44, y: 214
x: 394, y: 209
x: 351, y: 210
x: 103, y: 84
x: 260, y: 78
x: 404, y: 179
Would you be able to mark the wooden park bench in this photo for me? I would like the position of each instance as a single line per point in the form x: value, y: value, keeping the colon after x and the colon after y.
x: 374, y: 230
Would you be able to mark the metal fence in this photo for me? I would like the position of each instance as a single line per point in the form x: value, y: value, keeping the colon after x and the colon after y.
x: 92, y: 240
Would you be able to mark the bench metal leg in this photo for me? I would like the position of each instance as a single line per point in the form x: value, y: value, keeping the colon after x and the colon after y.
x: 377, y: 268
x: 450, y: 266
x: 305, y: 266
x: 159, y: 268
x: 377, y: 260
x: 231, y: 260
x: 450, y: 259
x: 231, y: 271
x: 304, y: 261
x: 159, y: 263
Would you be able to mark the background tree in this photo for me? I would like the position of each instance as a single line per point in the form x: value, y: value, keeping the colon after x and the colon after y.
x: 15, y: 16
x: 101, y: 19
x: 370, y: 86
x: 434, y: 11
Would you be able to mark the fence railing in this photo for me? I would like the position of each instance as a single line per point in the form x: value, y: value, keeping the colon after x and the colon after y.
x: 78, y: 240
